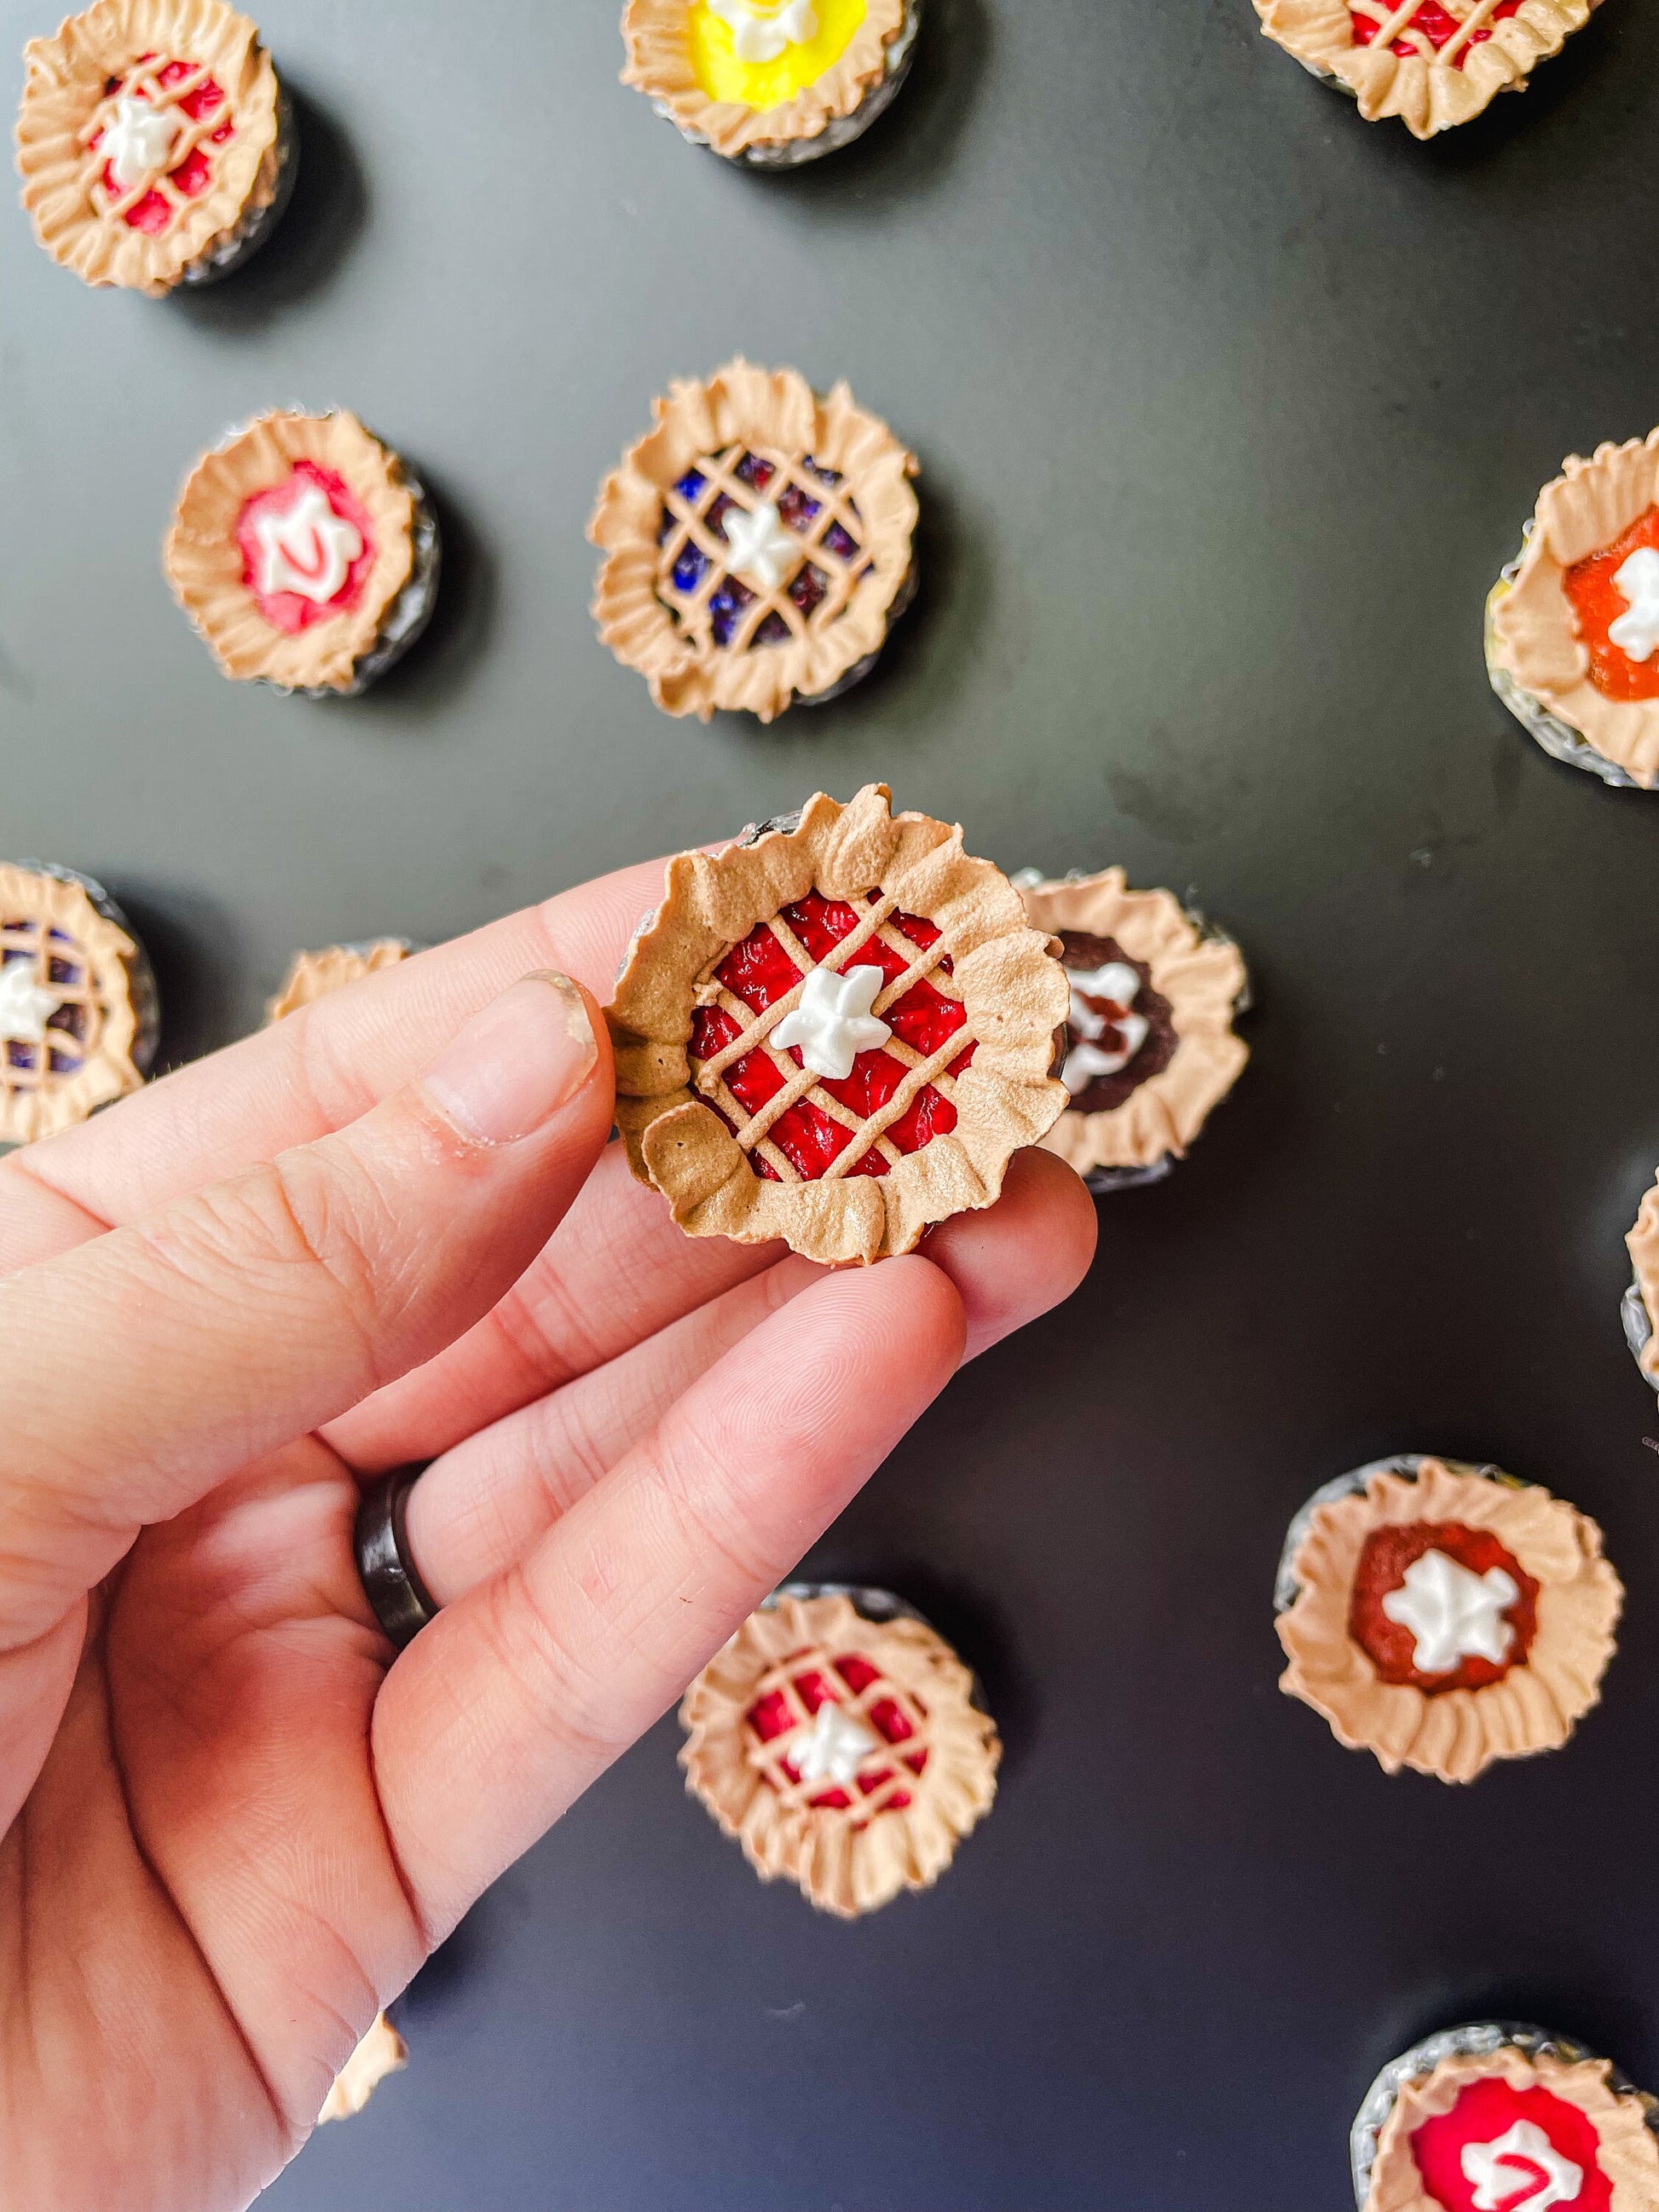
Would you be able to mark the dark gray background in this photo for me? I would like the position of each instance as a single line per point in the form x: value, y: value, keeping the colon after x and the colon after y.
x: 1229, y: 407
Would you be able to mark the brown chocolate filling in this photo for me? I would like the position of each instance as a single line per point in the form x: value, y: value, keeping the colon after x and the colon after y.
x: 1108, y: 1092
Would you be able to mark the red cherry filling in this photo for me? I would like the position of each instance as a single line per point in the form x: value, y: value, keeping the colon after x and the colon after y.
x: 773, y: 1716
x: 153, y: 211
x: 1597, y: 604
x: 1431, y: 23
x: 759, y: 971
x: 291, y: 612
x: 1390, y: 1645
x: 1484, y: 2115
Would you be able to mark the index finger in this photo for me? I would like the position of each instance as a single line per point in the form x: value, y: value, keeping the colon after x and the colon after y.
x: 312, y: 1073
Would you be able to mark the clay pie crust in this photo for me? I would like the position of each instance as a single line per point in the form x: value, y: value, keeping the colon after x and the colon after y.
x: 1456, y: 1732
x: 1643, y: 1245
x: 669, y: 603
x: 923, y: 1128
x: 314, y: 975
x: 919, y: 1773
x: 78, y: 956
x: 201, y: 63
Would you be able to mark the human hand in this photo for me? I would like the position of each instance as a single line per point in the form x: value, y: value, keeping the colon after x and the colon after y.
x: 232, y: 1825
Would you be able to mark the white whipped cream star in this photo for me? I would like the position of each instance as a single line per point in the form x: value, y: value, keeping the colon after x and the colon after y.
x: 25, y: 1006
x: 762, y: 548
x: 1637, y: 630
x: 761, y: 34
x: 836, y: 1747
x: 137, y: 140
x: 833, y: 1023
x: 308, y: 549
x: 1088, y: 1059
x: 1522, y: 2159
x: 1453, y: 1614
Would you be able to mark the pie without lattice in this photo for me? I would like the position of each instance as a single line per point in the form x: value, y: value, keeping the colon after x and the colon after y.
x: 314, y: 975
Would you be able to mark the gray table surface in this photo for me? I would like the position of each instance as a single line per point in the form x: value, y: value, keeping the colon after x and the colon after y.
x: 1229, y: 408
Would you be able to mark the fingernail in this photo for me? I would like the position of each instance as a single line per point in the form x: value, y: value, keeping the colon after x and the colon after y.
x: 517, y: 1062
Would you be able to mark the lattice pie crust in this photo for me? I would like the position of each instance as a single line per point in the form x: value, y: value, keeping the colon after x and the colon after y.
x: 85, y: 961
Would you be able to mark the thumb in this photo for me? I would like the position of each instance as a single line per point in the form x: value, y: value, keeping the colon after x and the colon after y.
x: 137, y: 1371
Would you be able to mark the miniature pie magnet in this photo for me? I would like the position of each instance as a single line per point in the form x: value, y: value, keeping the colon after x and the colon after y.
x: 1499, y: 2116
x: 1433, y: 63
x: 1641, y: 1308
x: 305, y: 554
x: 837, y: 1737
x: 837, y: 1031
x: 314, y: 975
x: 1442, y: 1616
x: 770, y: 83
x: 153, y: 142
x: 382, y: 2051
x: 78, y: 1018
x: 757, y: 544
x: 1150, y: 1044
x: 1572, y: 623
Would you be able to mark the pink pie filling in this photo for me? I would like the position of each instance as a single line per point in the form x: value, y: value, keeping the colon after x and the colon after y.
x: 759, y: 971
x: 1484, y: 2113
x: 1432, y: 22
x: 292, y: 611
x: 773, y: 1716
x: 153, y: 211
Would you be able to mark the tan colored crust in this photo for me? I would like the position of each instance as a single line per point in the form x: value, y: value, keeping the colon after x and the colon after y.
x: 1455, y: 1733
x: 659, y: 65
x: 1643, y: 1245
x: 1626, y: 2149
x: 1012, y: 990
x: 29, y: 1109
x: 312, y: 975
x: 382, y: 2052
x: 840, y: 1866
x: 64, y: 89
x: 1429, y: 94
x: 204, y: 561
x: 776, y: 415
x: 1202, y: 978
x: 1534, y: 631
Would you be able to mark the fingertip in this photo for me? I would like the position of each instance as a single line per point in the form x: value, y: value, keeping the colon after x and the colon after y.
x: 1022, y: 1257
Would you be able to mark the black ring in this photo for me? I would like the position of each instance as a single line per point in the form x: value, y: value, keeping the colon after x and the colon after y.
x: 402, y: 1604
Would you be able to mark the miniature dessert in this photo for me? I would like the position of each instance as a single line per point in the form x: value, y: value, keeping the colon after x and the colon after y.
x: 757, y: 544
x: 1443, y: 1615
x: 836, y: 1031
x: 305, y: 554
x: 155, y: 143
x: 1572, y: 624
x: 79, y: 1022
x: 382, y: 2052
x: 839, y: 1738
x: 1433, y: 63
x: 1641, y: 1308
x: 312, y: 975
x: 1150, y: 1048
x: 1497, y: 2116
x: 770, y: 83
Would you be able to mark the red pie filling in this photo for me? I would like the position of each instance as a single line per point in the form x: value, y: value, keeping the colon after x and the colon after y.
x: 291, y: 611
x: 759, y: 971
x: 773, y: 1716
x: 1597, y: 603
x: 1432, y: 22
x: 1515, y: 2177
x: 1390, y: 1645
x: 153, y: 210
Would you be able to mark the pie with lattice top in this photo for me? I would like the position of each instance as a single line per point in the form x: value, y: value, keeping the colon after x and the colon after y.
x: 836, y: 1032
x: 305, y: 552
x: 77, y: 1002
x: 1150, y: 1044
x: 846, y: 1752
x: 1433, y: 63
x: 153, y: 142
x: 314, y: 975
x: 770, y: 83
x: 757, y: 544
x: 1444, y: 1616
x: 1573, y: 626
x: 1512, y: 2120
